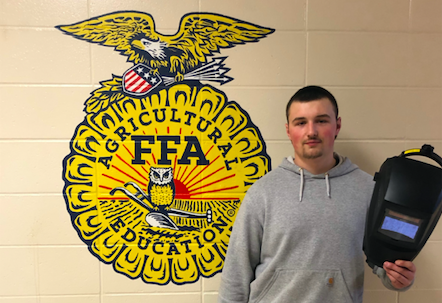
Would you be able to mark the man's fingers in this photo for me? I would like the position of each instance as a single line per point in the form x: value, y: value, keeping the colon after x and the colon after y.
x: 401, y: 273
x: 397, y: 279
x: 407, y: 264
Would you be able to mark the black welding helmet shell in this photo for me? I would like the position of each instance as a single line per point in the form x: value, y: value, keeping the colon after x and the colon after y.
x: 405, y: 207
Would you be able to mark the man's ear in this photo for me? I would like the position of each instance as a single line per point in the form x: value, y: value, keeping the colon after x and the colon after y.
x: 338, y: 126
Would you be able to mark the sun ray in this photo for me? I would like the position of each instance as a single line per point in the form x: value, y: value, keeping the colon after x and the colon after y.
x: 196, y: 166
x: 202, y: 170
x: 112, y: 178
x: 126, y: 174
x: 130, y: 153
x: 133, y: 168
x: 214, y: 182
x: 190, y: 186
x: 174, y: 165
x: 184, y: 172
x: 179, y: 169
x: 145, y: 169
x: 154, y: 160
x: 215, y: 190
x: 209, y: 150
x: 105, y: 187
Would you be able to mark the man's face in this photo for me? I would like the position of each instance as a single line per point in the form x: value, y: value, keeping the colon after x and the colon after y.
x: 312, y: 128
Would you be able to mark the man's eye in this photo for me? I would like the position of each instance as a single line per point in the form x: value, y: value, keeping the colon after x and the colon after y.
x: 299, y: 123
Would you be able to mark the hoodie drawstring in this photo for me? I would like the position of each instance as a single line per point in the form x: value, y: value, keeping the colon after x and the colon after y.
x: 301, y: 188
x: 327, y: 182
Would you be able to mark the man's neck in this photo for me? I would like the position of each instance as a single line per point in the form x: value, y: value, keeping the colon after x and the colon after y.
x: 316, y: 166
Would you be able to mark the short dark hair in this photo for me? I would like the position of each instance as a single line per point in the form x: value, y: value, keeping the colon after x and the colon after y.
x: 312, y: 93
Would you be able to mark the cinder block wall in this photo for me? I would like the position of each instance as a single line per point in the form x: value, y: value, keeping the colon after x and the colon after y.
x: 381, y: 59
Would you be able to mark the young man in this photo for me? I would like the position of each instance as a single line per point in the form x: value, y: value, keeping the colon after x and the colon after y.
x: 299, y: 231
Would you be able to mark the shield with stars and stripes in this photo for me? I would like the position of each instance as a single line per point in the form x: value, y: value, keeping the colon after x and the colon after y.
x: 138, y: 80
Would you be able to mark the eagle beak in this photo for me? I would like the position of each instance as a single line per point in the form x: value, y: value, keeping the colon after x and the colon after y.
x: 138, y: 44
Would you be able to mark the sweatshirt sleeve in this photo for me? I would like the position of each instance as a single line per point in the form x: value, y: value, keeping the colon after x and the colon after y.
x: 380, y: 272
x: 243, y: 253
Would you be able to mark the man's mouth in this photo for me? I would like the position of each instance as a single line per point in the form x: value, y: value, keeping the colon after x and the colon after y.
x: 312, y: 142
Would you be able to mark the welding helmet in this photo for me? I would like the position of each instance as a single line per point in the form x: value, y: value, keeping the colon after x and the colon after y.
x: 405, y: 207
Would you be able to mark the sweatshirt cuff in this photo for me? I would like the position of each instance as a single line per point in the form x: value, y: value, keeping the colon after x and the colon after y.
x: 380, y: 272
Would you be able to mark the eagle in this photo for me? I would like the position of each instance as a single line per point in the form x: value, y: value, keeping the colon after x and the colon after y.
x: 199, y: 35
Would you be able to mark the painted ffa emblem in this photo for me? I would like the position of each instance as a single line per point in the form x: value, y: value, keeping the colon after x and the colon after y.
x: 161, y: 162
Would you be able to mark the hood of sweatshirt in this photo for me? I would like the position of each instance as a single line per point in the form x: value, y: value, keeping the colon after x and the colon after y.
x: 343, y: 166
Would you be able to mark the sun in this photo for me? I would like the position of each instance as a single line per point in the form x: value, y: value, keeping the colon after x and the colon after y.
x: 191, y: 181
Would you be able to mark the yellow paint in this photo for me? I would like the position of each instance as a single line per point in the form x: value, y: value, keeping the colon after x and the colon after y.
x: 416, y: 150
x: 159, y: 255
x: 155, y: 178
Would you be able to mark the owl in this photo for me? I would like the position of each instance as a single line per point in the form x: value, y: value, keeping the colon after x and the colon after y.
x: 161, y: 188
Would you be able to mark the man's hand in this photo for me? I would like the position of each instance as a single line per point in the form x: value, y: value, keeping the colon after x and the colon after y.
x: 401, y: 273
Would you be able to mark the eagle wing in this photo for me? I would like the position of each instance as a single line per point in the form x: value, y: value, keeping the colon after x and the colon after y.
x: 117, y: 30
x: 199, y: 35
x: 202, y: 34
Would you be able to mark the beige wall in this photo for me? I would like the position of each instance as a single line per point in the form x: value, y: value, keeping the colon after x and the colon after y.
x: 381, y: 58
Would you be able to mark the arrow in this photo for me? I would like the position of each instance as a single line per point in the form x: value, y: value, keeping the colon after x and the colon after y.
x: 209, y: 72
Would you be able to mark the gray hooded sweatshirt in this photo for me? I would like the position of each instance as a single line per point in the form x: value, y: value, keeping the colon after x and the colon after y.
x: 298, y: 238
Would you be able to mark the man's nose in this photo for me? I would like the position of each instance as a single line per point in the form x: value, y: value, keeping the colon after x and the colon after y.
x: 312, y: 130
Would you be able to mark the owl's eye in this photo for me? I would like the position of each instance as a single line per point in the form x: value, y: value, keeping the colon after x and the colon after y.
x: 156, y: 175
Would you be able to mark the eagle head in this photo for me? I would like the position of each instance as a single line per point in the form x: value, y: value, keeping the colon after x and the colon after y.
x: 156, y: 49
